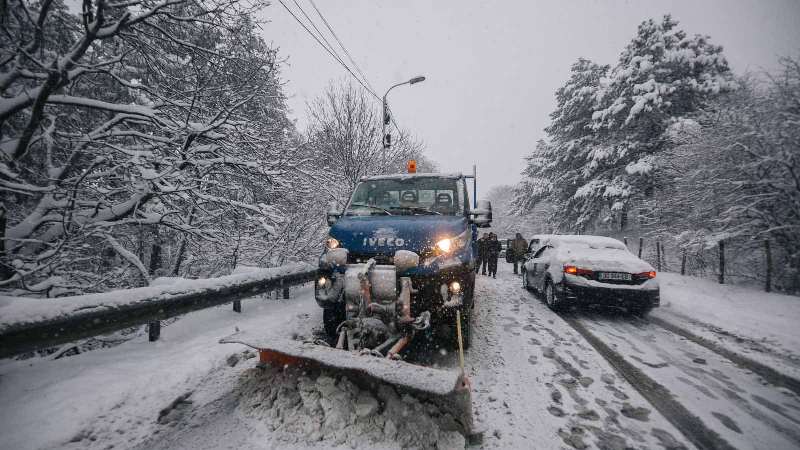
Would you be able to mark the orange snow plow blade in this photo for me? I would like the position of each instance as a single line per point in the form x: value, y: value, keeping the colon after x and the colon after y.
x: 447, y: 390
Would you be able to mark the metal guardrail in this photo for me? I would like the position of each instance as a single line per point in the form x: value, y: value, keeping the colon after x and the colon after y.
x: 35, y: 335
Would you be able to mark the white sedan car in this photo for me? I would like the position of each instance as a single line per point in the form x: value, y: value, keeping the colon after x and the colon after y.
x: 581, y: 270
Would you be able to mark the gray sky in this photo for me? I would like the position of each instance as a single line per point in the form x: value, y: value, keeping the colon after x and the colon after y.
x: 493, y: 66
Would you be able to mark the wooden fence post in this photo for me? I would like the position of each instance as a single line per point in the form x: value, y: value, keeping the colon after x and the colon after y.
x: 641, y: 244
x: 658, y: 256
x: 721, y: 262
x: 153, y: 330
x: 683, y: 262
x: 768, y: 282
x: 237, y: 306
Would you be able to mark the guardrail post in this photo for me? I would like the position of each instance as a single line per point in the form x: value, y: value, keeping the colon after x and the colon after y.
x: 768, y: 281
x: 658, y: 256
x: 721, y: 262
x: 625, y: 240
x: 153, y: 330
x: 237, y: 306
x: 683, y: 262
x: 641, y: 244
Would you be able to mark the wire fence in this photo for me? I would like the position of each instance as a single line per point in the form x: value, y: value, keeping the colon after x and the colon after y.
x: 735, y: 260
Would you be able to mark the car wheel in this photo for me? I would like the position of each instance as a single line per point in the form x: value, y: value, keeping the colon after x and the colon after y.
x: 332, y: 317
x: 551, y: 297
x: 525, y: 283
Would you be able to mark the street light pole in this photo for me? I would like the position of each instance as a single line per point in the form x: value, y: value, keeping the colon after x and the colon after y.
x: 385, y: 136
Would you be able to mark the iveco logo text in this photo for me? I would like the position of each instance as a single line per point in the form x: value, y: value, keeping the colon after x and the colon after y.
x: 381, y: 241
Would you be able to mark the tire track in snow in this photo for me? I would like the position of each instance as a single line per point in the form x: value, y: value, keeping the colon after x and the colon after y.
x: 691, y: 426
x: 768, y: 373
x: 545, y: 371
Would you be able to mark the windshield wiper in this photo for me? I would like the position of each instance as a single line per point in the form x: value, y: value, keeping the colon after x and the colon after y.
x: 417, y: 209
x: 364, y: 205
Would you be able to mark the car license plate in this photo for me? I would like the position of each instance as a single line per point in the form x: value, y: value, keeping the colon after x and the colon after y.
x: 614, y: 276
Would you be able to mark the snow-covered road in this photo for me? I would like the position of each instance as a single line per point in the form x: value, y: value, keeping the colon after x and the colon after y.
x: 539, y: 384
x: 539, y: 380
x: 732, y: 401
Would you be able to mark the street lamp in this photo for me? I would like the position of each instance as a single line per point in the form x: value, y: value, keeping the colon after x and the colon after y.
x: 387, y: 138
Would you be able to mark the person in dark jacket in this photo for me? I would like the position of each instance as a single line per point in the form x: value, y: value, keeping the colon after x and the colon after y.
x: 519, y: 246
x: 483, y: 256
x: 493, y: 251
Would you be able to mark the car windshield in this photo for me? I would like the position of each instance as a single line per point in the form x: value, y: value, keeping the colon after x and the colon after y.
x: 406, y: 196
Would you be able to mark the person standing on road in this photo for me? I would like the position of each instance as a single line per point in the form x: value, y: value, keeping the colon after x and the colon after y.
x: 493, y: 250
x: 482, y: 254
x: 519, y: 246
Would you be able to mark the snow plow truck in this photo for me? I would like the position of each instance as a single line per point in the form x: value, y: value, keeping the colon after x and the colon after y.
x: 399, y: 260
x: 399, y: 263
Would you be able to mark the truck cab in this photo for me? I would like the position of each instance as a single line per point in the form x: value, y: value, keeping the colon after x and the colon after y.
x: 420, y: 228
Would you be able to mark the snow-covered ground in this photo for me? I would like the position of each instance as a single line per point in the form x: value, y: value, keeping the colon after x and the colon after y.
x: 114, y: 396
x: 762, y: 326
x: 537, y: 383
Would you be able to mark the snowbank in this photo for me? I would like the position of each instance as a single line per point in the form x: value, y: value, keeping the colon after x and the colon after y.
x: 762, y: 325
x: 318, y: 409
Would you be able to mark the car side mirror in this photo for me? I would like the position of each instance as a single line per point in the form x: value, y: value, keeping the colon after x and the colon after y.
x: 332, y: 216
x: 481, y: 216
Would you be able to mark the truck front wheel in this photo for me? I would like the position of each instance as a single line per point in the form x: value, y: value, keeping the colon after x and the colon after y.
x: 332, y: 317
x: 466, y: 313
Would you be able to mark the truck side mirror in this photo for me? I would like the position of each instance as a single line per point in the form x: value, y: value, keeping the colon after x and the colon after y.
x: 332, y: 216
x: 482, y: 215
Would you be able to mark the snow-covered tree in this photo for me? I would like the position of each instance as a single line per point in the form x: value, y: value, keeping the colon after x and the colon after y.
x: 506, y: 224
x: 344, y: 133
x: 734, y: 175
x: 555, y: 166
x: 609, y: 124
x: 130, y: 125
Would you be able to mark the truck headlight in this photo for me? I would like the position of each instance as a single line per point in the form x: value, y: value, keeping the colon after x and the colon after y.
x: 449, y: 245
x: 331, y: 243
x: 455, y: 287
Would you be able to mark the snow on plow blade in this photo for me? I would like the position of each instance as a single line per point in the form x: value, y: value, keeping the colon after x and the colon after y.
x: 447, y: 390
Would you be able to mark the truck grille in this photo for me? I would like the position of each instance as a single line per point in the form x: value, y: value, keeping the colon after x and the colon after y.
x: 360, y: 258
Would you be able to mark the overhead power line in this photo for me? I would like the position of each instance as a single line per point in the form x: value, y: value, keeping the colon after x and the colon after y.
x: 334, y: 53
x: 330, y: 52
x: 351, y: 59
x: 339, y: 41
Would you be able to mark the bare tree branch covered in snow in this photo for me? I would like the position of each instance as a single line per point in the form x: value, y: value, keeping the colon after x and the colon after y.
x: 734, y: 175
x: 129, y: 117
x: 344, y: 132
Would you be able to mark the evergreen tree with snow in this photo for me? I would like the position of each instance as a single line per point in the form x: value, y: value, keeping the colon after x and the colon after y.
x: 609, y: 125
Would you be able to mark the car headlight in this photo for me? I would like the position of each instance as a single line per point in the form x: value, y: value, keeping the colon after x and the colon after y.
x: 332, y: 243
x: 449, y: 245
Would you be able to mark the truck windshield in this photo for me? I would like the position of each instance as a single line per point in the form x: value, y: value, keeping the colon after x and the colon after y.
x: 406, y: 196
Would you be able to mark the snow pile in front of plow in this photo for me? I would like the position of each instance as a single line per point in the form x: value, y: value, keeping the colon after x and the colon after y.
x: 316, y: 408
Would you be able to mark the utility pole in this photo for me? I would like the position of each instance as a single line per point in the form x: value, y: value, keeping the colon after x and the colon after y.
x: 386, y: 137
